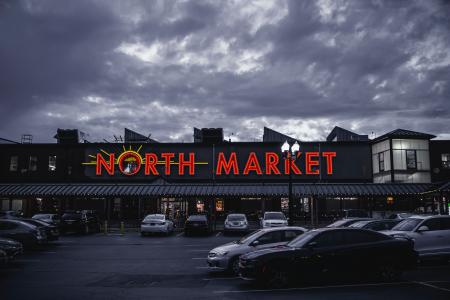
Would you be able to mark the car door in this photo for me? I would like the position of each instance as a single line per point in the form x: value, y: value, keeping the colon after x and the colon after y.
x: 445, y: 227
x: 428, y: 242
x: 269, y: 239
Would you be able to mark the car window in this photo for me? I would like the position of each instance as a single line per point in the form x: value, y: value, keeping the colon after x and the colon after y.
x: 289, y: 235
x: 329, y: 239
x: 407, y: 224
x: 360, y: 237
x: 377, y: 226
x: 432, y: 224
x: 271, y: 237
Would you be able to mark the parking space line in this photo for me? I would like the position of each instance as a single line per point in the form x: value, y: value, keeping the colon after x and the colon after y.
x: 48, y: 252
x: 27, y: 260
x: 432, y: 286
x: 198, y: 250
x: 219, y: 233
x: 313, y: 287
x: 202, y: 267
x: 222, y: 278
x: 199, y: 258
x: 180, y: 234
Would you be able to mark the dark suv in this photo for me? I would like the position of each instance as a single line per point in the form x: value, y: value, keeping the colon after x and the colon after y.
x: 85, y: 222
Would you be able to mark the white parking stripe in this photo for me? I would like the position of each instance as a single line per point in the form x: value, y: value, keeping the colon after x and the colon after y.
x: 314, y: 287
x: 221, y: 278
x: 202, y: 267
x: 432, y: 286
x: 180, y: 234
x: 199, y: 258
x: 198, y: 250
x: 219, y: 233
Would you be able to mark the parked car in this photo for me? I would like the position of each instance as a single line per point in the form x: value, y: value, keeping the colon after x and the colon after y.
x: 354, y: 213
x: 9, y: 214
x: 431, y: 234
x: 197, y: 224
x: 85, y: 221
x: 376, y: 225
x: 11, y: 248
x: 347, y: 222
x: 273, y: 219
x: 156, y: 223
x: 399, y: 216
x: 28, y: 235
x: 226, y: 257
x: 51, y: 231
x: 330, y: 253
x: 235, y: 223
x: 53, y: 219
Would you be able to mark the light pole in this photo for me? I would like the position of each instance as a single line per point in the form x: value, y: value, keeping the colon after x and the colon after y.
x: 290, y: 153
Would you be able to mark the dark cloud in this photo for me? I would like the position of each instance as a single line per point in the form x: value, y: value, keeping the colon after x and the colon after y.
x: 163, y: 67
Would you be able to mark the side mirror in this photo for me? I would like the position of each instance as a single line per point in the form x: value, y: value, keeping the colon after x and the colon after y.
x: 254, y: 243
x: 423, y: 228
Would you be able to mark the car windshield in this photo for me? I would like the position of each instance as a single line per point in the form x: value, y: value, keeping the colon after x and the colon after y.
x: 34, y: 222
x: 42, y: 216
x: 338, y: 223
x: 71, y: 216
x: 197, y: 218
x: 154, y: 217
x: 359, y: 224
x: 236, y: 217
x: 407, y: 225
x: 301, y: 240
x: 249, y: 237
x: 274, y: 216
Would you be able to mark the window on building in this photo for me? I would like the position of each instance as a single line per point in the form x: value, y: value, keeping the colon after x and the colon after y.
x: 381, y: 161
x: 411, y: 159
x: 445, y: 157
x: 14, y: 163
x: 33, y: 163
x: 52, y: 163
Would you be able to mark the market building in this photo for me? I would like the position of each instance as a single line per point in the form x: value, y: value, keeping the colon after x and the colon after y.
x: 399, y: 171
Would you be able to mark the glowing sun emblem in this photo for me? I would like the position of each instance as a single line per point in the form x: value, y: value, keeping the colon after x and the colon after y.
x: 129, y: 162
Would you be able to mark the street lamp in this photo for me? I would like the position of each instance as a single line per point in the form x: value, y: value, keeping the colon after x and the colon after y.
x: 290, y: 153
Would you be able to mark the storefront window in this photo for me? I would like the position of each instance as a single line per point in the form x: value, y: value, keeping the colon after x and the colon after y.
x: 381, y: 161
x: 411, y: 161
x: 52, y: 163
x: 14, y: 163
x: 445, y: 160
x: 33, y: 163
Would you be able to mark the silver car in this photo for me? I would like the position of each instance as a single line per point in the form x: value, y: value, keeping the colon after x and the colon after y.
x: 226, y: 257
x: 273, y: 219
x: 156, y: 223
x: 431, y: 234
x: 235, y: 223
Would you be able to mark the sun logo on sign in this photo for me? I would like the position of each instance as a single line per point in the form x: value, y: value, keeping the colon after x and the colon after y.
x: 129, y: 162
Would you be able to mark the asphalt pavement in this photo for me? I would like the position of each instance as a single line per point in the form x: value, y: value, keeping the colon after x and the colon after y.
x: 174, y: 267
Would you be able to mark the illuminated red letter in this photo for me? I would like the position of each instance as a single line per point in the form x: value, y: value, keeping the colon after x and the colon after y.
x: 329, y: 156
x: 310, y: 163
x: 252, y: 164
x: 222, y: 163
x: 150, y: 161
x: 293, y: 165
x: 109, y: 166
x: 167, y: 157
x: 182, y: 163
x: 272, y: 161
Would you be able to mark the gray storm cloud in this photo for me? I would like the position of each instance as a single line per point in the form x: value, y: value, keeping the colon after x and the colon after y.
x: 163, y: 67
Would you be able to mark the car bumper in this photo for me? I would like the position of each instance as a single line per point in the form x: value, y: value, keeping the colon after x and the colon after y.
x: 274, y: 225
x: 235, y: 228
x: 154, y: 228
x: 219, y: 263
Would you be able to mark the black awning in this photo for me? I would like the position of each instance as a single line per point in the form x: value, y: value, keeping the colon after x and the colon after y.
x: 236, y: 190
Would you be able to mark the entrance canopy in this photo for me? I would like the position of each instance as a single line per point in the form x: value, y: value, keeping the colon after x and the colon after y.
x: 218, y: 190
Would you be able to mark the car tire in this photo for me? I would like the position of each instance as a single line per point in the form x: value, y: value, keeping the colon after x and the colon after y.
x: 389, y: 273
x: 233, y: 266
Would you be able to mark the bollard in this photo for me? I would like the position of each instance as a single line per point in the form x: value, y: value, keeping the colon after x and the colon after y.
x: 122, y: 228
x: 105, y: 228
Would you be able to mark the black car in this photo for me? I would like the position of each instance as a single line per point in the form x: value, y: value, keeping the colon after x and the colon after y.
x: 11, y: 248
x: 52, y: 219
x: 347, y: 222
x: 330, y: 253
x: 25, y: 233
x: 197, y: 224
x: 84, y: 221
x: 9, y: 214
x: 51, y: 231
x: 377, y: 225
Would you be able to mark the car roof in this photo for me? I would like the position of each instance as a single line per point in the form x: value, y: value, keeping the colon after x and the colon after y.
x: 424, y: 217
x: 283, y: 228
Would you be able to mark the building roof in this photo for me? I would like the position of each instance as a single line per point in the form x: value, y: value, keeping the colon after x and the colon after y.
x: 196, y: 189
x: 271, y: 135
x: 404, y: 134
x: 6, y: 141
x: 341, y: 134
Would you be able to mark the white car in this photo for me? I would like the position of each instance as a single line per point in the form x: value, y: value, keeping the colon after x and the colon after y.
x: 431, y: 234
x: 156, y: 223
x: 273, y: 219
x: 235, y: 223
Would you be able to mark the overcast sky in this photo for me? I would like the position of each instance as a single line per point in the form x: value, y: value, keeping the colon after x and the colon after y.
x: 164, y: 67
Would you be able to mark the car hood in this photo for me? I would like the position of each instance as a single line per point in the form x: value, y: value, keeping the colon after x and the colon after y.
x: 394, y: 232
x: 258, y: 253
x: 9, y: 242
x: 226, y: 247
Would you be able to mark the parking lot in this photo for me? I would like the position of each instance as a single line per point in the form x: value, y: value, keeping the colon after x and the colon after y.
x: 132, y: 267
